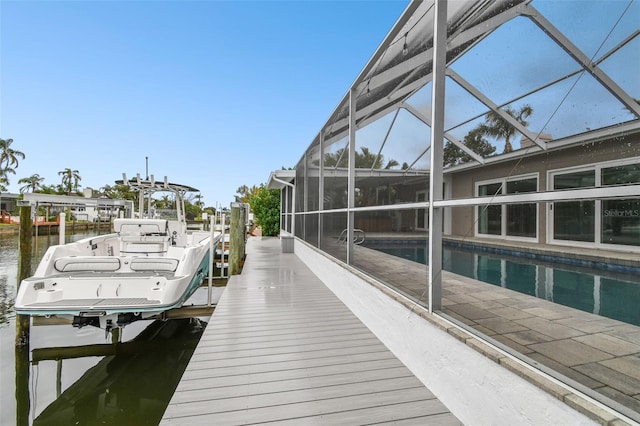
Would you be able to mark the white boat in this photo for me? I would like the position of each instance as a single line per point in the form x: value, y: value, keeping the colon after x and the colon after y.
x: 146, y: 266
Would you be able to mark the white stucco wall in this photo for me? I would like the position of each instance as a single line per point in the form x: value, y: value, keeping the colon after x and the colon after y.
x: 476, y: 389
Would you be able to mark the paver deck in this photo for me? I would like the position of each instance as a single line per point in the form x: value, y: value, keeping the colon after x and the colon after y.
x: 599, y: 355
x: 282, y: 348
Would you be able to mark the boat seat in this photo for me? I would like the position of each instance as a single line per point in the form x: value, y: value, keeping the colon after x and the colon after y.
x: 86, y: 263
x: 153, y: 264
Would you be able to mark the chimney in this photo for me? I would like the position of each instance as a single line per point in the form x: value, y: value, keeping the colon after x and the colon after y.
x: 525, y: 142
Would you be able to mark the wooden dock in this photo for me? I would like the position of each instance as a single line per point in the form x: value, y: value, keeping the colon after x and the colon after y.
x: 281, y: 347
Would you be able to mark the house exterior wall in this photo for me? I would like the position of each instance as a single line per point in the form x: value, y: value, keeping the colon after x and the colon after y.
x: 463, y: 183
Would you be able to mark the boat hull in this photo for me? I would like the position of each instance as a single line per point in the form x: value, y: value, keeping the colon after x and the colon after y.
x: 95, y: 282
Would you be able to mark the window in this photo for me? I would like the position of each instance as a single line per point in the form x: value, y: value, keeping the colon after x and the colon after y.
x: 615, y: 221
x: 574, y: 220
x: 520, y: 220
x: 621, y: 218
x: 490, y: 216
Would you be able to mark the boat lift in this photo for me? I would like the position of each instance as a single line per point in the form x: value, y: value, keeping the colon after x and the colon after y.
x: 218, y: 223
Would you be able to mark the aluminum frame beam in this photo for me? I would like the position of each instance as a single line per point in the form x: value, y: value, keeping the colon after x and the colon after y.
x: 587, y: 64
x: 436, y: 216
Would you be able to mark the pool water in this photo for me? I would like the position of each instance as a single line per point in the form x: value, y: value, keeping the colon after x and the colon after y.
x: 609, y: 294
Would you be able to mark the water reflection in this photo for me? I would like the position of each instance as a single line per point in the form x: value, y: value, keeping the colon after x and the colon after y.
x: 8, y: 275
x: 130, y: 386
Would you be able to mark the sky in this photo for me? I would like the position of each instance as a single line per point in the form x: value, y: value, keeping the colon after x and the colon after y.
x: 211, y: 94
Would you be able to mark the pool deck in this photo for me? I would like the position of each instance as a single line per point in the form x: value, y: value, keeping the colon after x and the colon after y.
x: 597, y: 355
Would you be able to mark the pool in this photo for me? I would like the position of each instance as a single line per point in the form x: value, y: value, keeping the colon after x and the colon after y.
x: 610, y: 294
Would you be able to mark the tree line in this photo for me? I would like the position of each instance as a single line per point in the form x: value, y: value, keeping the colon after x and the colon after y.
x: 10, y: 158
x: 9, y: 162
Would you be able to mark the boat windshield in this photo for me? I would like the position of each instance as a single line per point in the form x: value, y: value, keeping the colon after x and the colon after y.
x: 169, y: 214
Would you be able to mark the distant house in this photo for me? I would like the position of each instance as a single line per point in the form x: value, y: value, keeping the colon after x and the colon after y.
x: 8, y: 202
x: 81, y: 208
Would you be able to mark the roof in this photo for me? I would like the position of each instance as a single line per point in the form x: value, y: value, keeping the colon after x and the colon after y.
x: 280, y: 178
x: 576, y: 68
x: 40, y: 199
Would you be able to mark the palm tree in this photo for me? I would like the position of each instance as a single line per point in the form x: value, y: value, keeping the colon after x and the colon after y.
x: 8, y: 163
x: 364, y: 159
x: 33, y: 182
x: 3, y: 183
x: 369, y: 160
x: 498, y: 127
x: 4, y: 178
x: 452, y: 155
x: 9, y: 156
x: 70, y: 179
x: 199, y: 203
x: 245, y: 194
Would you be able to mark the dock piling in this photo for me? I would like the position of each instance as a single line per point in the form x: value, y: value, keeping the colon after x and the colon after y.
x: 237, y: 237
x: 23, y: 322
x: 24, y: 271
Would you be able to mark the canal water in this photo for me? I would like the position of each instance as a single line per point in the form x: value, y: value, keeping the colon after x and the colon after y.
x: 72, y: 376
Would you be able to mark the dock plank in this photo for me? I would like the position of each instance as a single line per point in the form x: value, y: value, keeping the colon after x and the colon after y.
x: 319, y: 373
x: 312, y: 396
x: 412, y: 415
x: 283, y: 383
x: 281, y: 347
x: 360, y: 408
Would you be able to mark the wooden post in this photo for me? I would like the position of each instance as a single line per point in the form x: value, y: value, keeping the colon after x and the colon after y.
x: 24, y: 271
x: 236, y: 238
x: 23, y: 322
x: 23, y: 400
